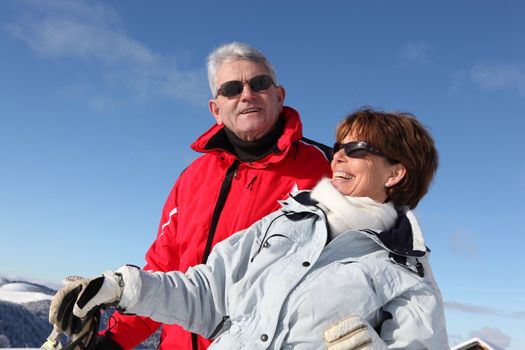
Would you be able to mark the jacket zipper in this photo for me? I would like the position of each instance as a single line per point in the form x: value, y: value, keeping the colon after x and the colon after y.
x: 223, y: 195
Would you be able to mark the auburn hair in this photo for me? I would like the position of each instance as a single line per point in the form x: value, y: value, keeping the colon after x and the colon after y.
x: 400, y: 137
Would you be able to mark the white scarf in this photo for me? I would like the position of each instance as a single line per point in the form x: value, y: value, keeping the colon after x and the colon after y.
x: 357, y: 213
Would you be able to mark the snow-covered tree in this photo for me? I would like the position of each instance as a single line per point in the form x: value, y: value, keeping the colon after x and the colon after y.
x: 4, y: 341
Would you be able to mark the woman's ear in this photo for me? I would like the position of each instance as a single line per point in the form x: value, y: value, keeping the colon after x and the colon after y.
x: 397, y: 174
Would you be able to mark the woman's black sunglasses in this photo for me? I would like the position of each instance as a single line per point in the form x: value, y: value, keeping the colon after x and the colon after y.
x: 359, y: 149
x: 234, y: 87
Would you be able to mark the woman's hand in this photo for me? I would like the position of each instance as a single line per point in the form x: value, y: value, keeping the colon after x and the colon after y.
x: 72, y: 304
x: 350, y: 334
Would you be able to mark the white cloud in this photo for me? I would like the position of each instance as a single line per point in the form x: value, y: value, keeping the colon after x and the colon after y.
x: 493, y: 77
x: 499, y: 76
x: 415, y: 52
x: 463, y: 243
x: 469, y: 308
x: 483, y: 310
x: 493, y: 336
x: 93, y: 32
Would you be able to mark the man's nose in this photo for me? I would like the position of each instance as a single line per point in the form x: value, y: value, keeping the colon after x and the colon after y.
x: 247, y: 92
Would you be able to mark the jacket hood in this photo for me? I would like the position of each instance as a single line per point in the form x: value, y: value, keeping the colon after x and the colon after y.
x: 405, y: 239
x: 291, y: 134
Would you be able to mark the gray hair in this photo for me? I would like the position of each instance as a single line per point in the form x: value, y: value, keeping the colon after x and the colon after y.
x: 233, y: 52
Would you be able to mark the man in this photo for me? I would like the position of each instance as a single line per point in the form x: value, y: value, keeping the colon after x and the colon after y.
x: 254, y: 156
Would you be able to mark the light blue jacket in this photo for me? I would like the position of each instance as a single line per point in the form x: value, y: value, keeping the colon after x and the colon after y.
x: 279, y: 284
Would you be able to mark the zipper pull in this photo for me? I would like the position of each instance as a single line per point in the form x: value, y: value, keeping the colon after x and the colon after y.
x: 420, y: 269
x: 249, y: 186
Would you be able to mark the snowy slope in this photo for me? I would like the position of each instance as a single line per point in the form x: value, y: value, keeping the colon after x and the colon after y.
x: 12, y: 278
x: 19, y: 290
x: 21, y: 293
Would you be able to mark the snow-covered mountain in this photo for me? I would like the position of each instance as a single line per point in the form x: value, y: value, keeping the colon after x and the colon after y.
x: 24, y: 306
x: 13, y: 278
x: 19, y: 291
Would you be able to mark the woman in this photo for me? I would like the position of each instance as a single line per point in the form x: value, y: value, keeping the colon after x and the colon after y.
x: 350, y: 247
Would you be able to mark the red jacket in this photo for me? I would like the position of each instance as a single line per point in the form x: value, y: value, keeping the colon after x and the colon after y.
x: 216, y: 196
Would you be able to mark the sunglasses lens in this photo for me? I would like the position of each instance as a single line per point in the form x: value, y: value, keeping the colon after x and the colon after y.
x: 352, y: 149
x: 359, y: 149
x: 231, y: 88
x: 260, y: 83
x: 235, y: 87
x: 356, y: 153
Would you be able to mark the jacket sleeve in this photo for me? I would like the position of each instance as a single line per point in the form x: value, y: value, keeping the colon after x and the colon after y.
x: 417, y: 317
x: 130, y: 331
x: 195, y: 300
x: 163, y: 255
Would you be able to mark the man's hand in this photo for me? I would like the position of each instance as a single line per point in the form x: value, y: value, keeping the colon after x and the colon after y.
x: 349, y: 334
x: 73, y: 303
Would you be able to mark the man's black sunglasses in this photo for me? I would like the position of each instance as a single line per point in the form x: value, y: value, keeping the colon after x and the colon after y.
x: 359, y: 149
x: 235, y: 87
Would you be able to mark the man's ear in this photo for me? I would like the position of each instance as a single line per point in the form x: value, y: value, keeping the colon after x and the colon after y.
x: 214, y: 109
x: 397, y: 174
x: 281, y: 94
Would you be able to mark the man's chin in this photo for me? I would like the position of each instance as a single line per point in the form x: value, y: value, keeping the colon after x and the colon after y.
x: 252, y: 133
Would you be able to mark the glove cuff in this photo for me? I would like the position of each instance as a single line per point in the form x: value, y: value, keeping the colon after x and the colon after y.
x: 129, y: 276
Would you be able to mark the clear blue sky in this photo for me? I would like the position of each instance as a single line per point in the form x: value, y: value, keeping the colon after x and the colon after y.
x: 99, y: 102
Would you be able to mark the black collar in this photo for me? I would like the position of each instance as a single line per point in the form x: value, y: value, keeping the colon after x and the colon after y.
x: 248, y: 151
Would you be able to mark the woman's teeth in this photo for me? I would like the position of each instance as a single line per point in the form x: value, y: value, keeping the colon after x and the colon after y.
x: 342, y: 175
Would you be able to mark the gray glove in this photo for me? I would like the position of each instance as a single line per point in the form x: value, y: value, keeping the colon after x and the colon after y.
x: 349, y: 334
x: 72, y: 304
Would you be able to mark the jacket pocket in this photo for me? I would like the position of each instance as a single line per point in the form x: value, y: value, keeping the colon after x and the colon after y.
x: 273, y: 248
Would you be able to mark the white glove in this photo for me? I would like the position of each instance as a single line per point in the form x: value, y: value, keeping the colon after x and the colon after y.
x: 74, y: 302
x: 104, y: 290
x: 349, y: 334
